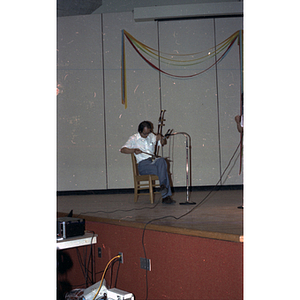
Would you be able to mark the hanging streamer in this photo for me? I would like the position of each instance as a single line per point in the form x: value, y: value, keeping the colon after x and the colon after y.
x: 183, y: 61
x: 123, y: 70
x: 173, y: 59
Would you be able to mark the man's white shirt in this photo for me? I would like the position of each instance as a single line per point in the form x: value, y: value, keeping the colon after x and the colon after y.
x: 144, y: 144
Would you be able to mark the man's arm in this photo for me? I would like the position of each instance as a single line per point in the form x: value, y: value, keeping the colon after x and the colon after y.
x: 126, y: 150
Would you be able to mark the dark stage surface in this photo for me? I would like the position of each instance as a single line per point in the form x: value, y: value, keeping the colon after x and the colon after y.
x: 215, y: 214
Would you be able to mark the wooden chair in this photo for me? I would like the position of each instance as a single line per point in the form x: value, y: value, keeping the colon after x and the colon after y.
x: 143, y: 182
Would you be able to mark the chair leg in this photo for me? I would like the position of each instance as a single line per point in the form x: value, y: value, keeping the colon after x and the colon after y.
x: 150, y: 190
x: 135, y: 192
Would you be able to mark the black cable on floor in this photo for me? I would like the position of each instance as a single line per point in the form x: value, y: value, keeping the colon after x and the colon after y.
x: 113, y: 211
x: 185, y: 214
x: 164, y: 217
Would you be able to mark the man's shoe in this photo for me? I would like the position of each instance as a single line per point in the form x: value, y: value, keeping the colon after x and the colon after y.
x: 168, y: 200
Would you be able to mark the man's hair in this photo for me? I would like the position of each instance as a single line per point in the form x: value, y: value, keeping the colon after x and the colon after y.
x: 144, y: 124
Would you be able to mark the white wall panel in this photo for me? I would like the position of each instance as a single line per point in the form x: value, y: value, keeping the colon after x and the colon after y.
x: 80, y: 127
x: 93, y: 124
x: 191, y: 103
x: 229, y: 98
x: 142, y: 92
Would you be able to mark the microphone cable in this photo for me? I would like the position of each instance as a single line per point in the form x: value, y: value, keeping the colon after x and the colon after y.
x: 185, y: 214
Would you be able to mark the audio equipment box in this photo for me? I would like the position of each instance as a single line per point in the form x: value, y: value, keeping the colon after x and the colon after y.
x: 70, y: 227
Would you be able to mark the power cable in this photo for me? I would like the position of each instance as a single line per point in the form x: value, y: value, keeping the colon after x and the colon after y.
x: 113, y: 211
x: 185, y: 214
x: 103, y: 275
x: 84, y: 263
x: 160, y: 218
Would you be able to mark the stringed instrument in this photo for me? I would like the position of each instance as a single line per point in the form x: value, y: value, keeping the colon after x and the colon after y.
x: 160, y: 126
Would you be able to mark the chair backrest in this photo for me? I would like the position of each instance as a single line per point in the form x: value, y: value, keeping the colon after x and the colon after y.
x: 134, y: 165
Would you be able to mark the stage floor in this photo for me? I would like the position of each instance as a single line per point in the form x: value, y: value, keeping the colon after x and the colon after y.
x: 215, y: 215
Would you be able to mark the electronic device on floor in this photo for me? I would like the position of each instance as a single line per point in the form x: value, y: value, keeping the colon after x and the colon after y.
x: 104, y: 293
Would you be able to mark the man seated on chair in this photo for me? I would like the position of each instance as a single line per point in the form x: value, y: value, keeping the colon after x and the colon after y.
x: 142, y: 143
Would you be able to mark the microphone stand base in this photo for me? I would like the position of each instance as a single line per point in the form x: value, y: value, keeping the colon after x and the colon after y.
x: 187, y: 203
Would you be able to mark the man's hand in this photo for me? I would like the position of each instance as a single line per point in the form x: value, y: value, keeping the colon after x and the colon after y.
x: 137, y: 151
x: 237, y: 119
x: 162, y: 139
x: 238, y: 124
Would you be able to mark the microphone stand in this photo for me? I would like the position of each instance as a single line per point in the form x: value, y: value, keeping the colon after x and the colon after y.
x: 188, y: 148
